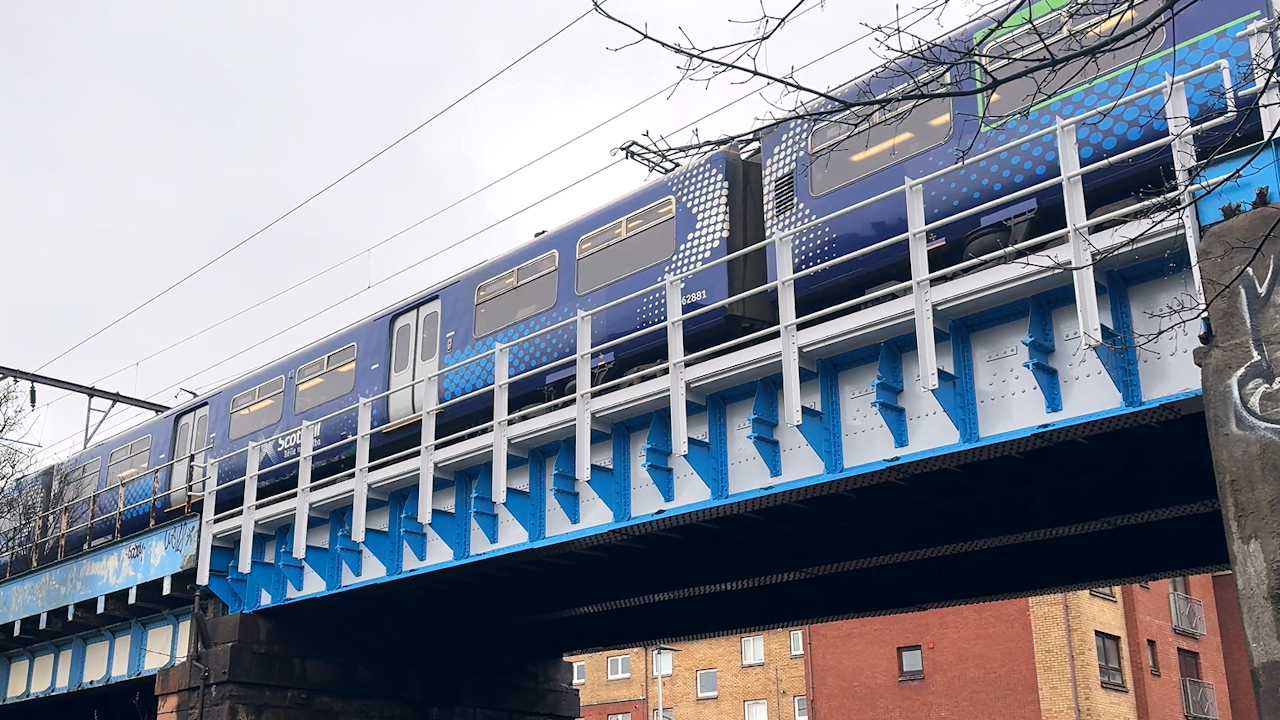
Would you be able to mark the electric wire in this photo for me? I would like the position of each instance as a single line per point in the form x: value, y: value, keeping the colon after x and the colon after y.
x: 306, y: 202
x: 416, y: 224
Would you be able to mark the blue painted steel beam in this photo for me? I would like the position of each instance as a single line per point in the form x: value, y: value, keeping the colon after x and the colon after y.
x: 529, y: 507
x: 1040, y: 344
x: 955, y: 391
x: 710, y: 458
x: 1118, y: 353
x: 764, y: 420
x: 564, y: 482
x: 657, y: 454
x: 887, y: 387
x: 613, y: 484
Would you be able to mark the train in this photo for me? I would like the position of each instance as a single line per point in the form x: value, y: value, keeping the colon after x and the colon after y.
x: 802, y: 170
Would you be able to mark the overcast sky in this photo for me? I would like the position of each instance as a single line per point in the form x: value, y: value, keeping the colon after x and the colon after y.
x: 138, y: 140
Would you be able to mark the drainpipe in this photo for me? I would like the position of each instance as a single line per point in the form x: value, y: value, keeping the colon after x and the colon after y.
x: 1071, y: 656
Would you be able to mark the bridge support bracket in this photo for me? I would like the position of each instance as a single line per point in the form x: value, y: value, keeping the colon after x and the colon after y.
x: 955, y: 391
x: 764, y: 420
x: 887, y: 387
x: 1040, y: 344
x: 1117, y: 352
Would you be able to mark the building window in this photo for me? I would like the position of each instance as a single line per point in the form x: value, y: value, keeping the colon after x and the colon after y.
x: 1153, y: 658
x: 1104, y: 592
x: 1188, y: 664
x: 802, y: 707
x: 755, y: 710
x: 1109, y: 670
x: 1180, y: 585
x: 623, y: 248
x: 579, y: 673
x: 324, y: 379
x: 256, y: 409
x: 127, y: 461
x: 620, y: 716
x: 667, y: 714
x: 797, y: 643
x: 619, y: 667
x: 910, y: 663
x: 708, y: 684
x: 662, y: 663
x: 516, y: 295
x: 753, y: 650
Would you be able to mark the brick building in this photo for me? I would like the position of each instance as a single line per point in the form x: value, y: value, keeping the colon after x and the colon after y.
x: 1155, y: 651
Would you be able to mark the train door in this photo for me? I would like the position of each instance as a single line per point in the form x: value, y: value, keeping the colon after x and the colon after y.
x: 191, y: 433
x: 415, y: 347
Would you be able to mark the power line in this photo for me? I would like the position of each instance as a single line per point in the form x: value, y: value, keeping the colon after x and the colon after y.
x: 322, y: 191
x: 448, y: 247
x: 463, y: 199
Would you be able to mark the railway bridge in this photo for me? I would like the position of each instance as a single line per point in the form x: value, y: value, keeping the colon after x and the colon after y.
x: 1056, y: 414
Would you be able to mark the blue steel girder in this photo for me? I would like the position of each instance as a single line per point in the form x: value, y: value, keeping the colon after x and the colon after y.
x: 764, y: 420
x: 955, y: 391
x: 657, y: 454
x: 613, y: 484
x: 1040, y: 345
x: 529, y: 507
x: 1118, y: 353
x: 483, y: 509
x: 63, y: 668
x: 887, y: 387
x: 564, y: 482
x: 710, y: 458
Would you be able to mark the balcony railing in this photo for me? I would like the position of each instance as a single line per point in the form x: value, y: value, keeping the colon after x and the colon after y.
x: 1187, y: 613
x: 1199, y: 700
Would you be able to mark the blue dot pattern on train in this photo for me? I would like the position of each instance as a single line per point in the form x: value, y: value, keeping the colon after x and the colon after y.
x: 524, y: 355
x: 1032, y: 161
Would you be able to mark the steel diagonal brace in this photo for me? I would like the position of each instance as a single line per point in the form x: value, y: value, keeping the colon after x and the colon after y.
x: 887, y: 387
x: 1118, y: 353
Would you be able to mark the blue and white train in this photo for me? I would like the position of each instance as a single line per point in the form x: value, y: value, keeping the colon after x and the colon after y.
x: 804, y: 170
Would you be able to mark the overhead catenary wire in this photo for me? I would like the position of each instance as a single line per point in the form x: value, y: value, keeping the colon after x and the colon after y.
x: 306, y: 202
x: 434, y: 253
x: 459, y: 201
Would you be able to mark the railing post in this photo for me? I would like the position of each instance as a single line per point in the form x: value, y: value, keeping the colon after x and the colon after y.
x: 302, y: 511
x: 207, y: 510
x: 1081, y: 252
x: 675, y: 369
x: 501, y: 409
x: 426, y: 456
x: 791, y: 413
x: 360, y: 493
x: 921, y: 288
x: 1178, y: 116
x: 248, y: 511
x: 582, y: 428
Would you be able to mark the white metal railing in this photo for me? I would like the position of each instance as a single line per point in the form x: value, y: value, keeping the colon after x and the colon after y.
x: 1199, y: 700
x: 1187, y: 614
x: 243, y: 520
x: 48, y: 529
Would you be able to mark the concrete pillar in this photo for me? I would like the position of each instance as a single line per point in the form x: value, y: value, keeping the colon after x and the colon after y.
x: 1240, y: 266
x: 258, y: 669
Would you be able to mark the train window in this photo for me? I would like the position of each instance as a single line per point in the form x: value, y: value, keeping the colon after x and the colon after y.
x: 80, y: 481
x: 1055, y: 36
x: 255, y: 409
x: 430, y: 336
x: 129, y: 460
x: 642, y: 239
x: 325, y: 379
x: 516, y: 295
x: 852, y: 147
x: 400, y: 358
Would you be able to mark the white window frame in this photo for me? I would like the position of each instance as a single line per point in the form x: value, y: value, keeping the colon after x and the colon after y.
x: 619, y: 716
x: 619, y: 675
x: 579, y: 673
x: 746, y: 709
x: 797, y: 643
x: 698, y: 684
x: 752, y: 641
x: 658, y: 657
x: 667, y: 714
x: 795, y: 705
